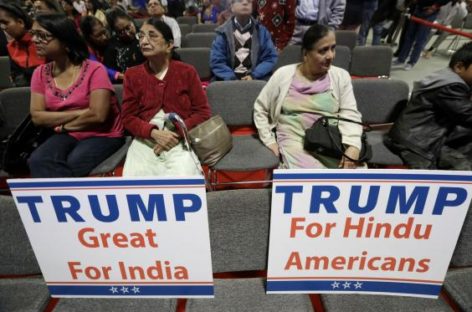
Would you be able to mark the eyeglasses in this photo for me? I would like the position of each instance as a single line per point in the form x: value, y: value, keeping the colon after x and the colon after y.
x: 149, y: 36
x: 153, y: 4
x: 127, y: 30
x: 41, y: 36
x: 241, y: 1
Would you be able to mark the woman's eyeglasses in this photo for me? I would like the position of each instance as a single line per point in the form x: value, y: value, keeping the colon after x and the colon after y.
x: 149, y: 36
x: 41, y: 36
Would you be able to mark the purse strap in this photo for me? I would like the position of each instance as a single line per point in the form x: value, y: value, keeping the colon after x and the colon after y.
x: 339, y: 147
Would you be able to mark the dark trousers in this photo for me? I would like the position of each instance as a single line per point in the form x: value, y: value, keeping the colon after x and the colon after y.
x: 64, y: 156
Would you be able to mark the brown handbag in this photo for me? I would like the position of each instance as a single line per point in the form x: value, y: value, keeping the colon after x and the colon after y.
x: 211, y: 140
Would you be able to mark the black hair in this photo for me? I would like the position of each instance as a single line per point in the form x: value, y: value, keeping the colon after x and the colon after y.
x: 16, y: 11
x: 463, y: 55
x: 71, y: 3
x: 314, y: 34
x: 116, y: 13
x: 166, y: 32
x: 63, y: 28
x: 53, y: 5
x: 86, y: 27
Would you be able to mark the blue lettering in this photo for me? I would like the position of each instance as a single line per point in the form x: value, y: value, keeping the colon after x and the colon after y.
x: 66, y: 205
x: 155, y: 204
x: 181, y: 209
x: 97, y: 211
x: 288, y: 198
x: 31, y: 201
x: 372, y: 199
x: 398, y: 196
x: 442, y: 201
x: 328, y: 202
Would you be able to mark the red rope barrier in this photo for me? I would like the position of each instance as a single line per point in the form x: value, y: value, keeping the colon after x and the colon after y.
x: 440, y: 27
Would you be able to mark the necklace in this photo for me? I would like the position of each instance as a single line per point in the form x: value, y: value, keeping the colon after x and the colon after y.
x: 71, y: 81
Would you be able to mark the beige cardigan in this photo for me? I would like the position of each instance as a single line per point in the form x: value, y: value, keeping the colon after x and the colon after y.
x: 269, y: 104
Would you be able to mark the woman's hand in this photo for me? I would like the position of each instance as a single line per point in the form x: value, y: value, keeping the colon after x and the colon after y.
x: 165, y: 140
x: 274, y: 147
x: 353, y: 153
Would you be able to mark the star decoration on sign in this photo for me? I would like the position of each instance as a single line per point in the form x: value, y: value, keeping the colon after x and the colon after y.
x: 135, y: 290
x: 335, y: 285
x: 358, y: 285
x: 124, y: 290
x: 347, y: 285
x: 114, y: 290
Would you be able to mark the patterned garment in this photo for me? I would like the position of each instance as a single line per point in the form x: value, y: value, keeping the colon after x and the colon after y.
x: 302, y: 106
x: 278, y: 16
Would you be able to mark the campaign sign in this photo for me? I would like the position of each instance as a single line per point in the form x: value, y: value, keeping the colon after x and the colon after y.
x: 387, y: 232
x: 116, y: 237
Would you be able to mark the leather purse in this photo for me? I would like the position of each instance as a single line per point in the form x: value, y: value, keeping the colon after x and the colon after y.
x: 325, y: 139
x: 211, y: 140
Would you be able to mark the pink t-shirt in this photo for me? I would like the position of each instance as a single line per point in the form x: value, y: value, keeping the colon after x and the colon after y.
x: 93, y: 76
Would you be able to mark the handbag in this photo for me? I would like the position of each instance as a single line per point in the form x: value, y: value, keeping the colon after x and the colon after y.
x: 19, y: 145
x: 211, y: 140
x: 325, y: 139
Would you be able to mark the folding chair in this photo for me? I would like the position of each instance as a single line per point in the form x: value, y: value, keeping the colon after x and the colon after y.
x: 21, y: 286
x: 199, y: 28
x: 198, y: 58
x: 343, y: 57
x: 5, y: 81
x: 346, y: 38
x: 189, y: 20
x: 239, y: 232
x: 374, y: 61
x: 380, y: 101
x: 14, y: 107
x: 234, y: 101
x: 199, y: 40
x: 290, y: 54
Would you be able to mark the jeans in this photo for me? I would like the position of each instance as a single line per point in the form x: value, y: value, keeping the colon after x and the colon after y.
x: 415, y: 39
x: 368, y: 10
x: 64, y: 156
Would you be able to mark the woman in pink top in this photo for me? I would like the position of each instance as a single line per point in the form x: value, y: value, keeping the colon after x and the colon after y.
x: 74, y: 96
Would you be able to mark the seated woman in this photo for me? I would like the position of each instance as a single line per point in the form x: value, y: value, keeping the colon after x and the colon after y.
x: 159, y: 86
x: 71, y: 12
x: 74, y: 96
x: 298, y: 94
x: 123, y: 49
x: 97, y: 38
x: 157, y: 10
x: 21, y: 50
x: 95, y: 8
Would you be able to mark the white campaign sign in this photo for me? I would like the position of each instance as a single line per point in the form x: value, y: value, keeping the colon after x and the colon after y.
x: 365, y: 231
x: 116, y: 237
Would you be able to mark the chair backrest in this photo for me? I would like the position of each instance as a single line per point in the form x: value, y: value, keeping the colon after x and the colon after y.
x: 343, y: 57
x: 14, y: 107
x: 199, y: 40
x: 119, y: 92
x: 199, y: 28
x: 290, y: 54
x: 468, y: 22
x: 185, y: 29
x: 16, y: 253
x: 462, y: 254
x: 346, y: 38
x: 371, y: 61
x: 198, y: 58
x: 234, y: 100
x: 5, y: 72
x: 190, y: 20
x: 239, y: 236
x: 380, y: 100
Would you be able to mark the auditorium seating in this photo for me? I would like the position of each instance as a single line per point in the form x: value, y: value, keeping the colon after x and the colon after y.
x: 374, y: 61
x: 197, y: 57
x: 239, y: 232
x: 185, y: 29
x: 343, y: 57
x: 5, y: 81
x: 189, y: 20
x: 289, y: 55
x: 198, y: 40
x: 14, y: 107
x: 234, y: 101
x: 346, y: 38
x: 198, y: 28
x: 380, y: 101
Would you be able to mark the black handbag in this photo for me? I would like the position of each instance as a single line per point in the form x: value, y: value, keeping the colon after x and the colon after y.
x: 325, y: 139
x: 19, y: 145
